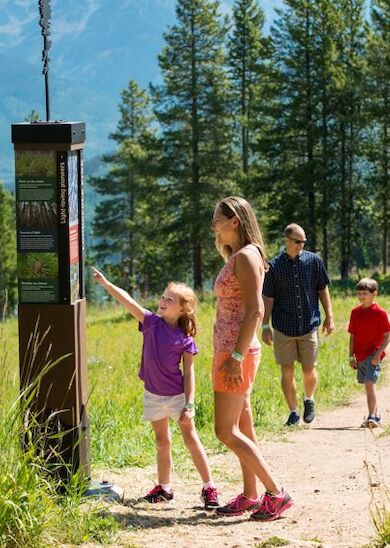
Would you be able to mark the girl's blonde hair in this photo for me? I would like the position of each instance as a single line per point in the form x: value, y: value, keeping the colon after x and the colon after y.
x: 249, y: 231
x: 189, y: 302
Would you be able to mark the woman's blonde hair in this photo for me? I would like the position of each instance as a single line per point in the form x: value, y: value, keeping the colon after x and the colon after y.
x: 249, y: 231
x: 189, y: 302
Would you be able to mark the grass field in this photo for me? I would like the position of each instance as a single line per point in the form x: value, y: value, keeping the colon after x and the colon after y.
x: 119, y: 436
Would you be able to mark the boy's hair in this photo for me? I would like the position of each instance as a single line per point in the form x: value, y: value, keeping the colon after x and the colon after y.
x: 367, y: 284
x: 250, y: 233
x: 188, y: 301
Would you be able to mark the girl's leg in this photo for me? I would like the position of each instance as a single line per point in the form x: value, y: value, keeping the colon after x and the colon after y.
x: 163, y: 445
x: 247, y: 428
x: 228, y: 410
x: 195, y: 447
x: 371, y: 398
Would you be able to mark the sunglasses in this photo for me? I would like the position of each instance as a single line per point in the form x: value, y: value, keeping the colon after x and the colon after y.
x: 296, y: 241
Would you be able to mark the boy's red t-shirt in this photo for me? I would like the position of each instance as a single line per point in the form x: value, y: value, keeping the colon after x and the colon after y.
x: 368, y: 326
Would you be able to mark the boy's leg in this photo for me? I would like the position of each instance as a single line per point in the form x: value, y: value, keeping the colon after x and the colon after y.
x: 371, y: 398
x: 163, y: 445
x: 195, y: 447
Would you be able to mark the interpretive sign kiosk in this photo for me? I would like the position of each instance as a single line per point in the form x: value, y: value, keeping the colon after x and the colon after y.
x: 50, y: 245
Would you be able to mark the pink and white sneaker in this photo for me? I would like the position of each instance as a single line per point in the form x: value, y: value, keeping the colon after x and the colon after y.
x: 158, y: 494
x: 272, y: 506
x: 210, y: 498
x: 238, y: 505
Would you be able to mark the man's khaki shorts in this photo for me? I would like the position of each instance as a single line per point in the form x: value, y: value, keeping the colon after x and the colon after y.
x: 302, y: 349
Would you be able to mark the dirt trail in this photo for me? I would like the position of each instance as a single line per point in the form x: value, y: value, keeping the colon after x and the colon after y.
x: 323, y: 467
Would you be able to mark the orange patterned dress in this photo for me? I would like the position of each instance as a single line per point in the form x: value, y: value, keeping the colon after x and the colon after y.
x: 229, y: 316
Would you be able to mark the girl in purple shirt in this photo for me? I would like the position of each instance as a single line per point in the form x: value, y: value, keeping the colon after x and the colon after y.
x: 169, y: 393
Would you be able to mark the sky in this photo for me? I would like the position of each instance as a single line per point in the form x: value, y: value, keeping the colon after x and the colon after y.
x: 97, y: 47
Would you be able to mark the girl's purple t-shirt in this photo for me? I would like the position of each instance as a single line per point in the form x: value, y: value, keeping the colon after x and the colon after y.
x: 162, y: 352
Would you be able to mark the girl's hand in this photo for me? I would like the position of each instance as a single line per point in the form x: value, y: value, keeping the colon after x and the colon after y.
x: 353, y: 363
x: 375, y: 360
x: 186, y: 415
x: 233, y: 374
x: 99, y: 277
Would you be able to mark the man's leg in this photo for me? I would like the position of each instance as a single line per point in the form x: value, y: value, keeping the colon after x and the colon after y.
x: 310, y: 380
x: 289, y: 386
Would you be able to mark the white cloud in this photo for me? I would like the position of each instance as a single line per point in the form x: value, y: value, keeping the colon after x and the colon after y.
x: 63, y: 26
x: 12, y: 30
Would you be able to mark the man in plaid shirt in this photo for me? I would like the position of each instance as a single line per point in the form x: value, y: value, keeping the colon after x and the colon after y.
x: 294, y: 284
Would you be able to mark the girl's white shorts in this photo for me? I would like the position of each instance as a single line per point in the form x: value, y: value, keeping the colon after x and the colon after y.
x: 159, y: 407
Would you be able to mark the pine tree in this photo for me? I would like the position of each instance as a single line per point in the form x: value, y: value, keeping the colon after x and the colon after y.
x: 192, y: 106
x: 8, y: 279
x: 248, y: 53
x: 291, y: 139
x: 349, y: 127
x: 124, y: 219
x: 378, y: 87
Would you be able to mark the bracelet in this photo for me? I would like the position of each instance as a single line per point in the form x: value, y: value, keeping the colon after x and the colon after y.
x: 189, y: 405
x: 351, y: 359
x: 237, y: 356
x: 266, y: 326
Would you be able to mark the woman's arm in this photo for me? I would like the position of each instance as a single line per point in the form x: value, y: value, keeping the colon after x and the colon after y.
x: 120, y: 295
x: 189, y: 387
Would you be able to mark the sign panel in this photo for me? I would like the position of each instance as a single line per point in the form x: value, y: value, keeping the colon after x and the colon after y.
x: 49, y: 221
x: 36, y: 204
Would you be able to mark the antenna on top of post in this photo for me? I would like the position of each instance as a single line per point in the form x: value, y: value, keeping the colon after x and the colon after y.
x: 44, y: 23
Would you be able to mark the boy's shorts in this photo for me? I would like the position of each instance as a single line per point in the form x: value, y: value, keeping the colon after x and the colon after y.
x: 302, y: 349
x: 366, y: 372
x: 161, y: 407
x: 249, y: 368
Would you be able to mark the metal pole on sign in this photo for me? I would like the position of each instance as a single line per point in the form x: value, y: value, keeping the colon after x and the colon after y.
x: 44, y: 23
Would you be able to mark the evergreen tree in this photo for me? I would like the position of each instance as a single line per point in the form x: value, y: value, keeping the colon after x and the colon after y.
x: 378, y: 87
x: 192, y: 106
x: 248, y: 52
x: 349, y: 128
x: 125, y: 218
x: 8, y: 276
x: 291, y: 139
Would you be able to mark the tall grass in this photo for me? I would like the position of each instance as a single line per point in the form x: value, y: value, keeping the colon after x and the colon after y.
x: 34, y: 511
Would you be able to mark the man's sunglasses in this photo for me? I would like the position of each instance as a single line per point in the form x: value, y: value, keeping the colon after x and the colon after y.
x: 297, y: 241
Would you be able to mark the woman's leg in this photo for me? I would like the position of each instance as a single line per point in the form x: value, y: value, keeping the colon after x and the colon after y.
x: 195, y: 447
x: 164, y: 454
x: 228, y: 410
x: 247, y: 428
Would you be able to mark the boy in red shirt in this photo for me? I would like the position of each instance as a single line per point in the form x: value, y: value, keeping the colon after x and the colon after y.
x: 369, y: 329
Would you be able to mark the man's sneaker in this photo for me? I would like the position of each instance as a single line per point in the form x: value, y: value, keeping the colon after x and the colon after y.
x: 308, y: 411
x: 238, y: 506
x: 210, y: 498
x: 272, y: 506
x: 293, y: 419
x: 158, y: 494
x: 373, y: 421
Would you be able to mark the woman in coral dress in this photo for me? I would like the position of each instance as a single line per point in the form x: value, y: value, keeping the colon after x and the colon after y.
x: 236, y: 358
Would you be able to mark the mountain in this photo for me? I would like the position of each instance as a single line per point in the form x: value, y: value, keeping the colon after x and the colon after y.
x: 98, y: 46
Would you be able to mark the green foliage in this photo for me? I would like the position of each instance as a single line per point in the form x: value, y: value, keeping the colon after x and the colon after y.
x: 7, y: 251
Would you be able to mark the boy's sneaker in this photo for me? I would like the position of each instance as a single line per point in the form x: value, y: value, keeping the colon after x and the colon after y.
x: 158, y: 494
x: 293, y: 419
x: 373, y: 421
x: 308, y: 411
x: 210, y: 498
x: 272, y: 506
x: 238, y: 505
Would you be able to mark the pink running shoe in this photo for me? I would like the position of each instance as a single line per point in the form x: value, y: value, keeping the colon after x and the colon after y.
x: 210, y: 498
x: 158, y: 494
x: 238, y: 506
x: 272, y: 506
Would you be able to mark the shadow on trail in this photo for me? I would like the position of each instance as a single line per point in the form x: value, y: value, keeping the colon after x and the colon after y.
x: 139, y: 517
x: 336, y: 428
